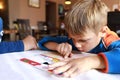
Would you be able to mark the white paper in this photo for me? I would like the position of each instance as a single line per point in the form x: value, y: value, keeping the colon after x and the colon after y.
x: 11, y: 68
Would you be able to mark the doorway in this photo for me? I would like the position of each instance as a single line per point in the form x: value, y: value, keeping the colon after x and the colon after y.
x: 51, y: 15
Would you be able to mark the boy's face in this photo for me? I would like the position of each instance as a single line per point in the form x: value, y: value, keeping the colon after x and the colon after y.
x: 87, y: 42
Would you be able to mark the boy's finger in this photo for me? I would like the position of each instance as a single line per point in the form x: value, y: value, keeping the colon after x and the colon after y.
x: 57, y: 64
x: 66, y: 55
x: 71, y: 54
x: 61, y: 69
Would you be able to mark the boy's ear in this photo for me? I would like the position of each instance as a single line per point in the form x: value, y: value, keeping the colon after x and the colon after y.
x: 103, y: 31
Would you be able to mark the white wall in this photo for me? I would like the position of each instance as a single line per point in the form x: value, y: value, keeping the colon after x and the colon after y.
x: 21, y: 9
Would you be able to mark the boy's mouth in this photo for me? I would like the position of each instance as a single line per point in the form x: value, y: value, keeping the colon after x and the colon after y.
x: 80, y: 50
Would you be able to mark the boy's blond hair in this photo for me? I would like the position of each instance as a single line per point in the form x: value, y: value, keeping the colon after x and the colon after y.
x: 86, y: 15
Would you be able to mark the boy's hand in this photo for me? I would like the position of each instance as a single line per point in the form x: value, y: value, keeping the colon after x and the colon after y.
x: 64, y: 49
x: 30, y: 43
x: 73, y: 67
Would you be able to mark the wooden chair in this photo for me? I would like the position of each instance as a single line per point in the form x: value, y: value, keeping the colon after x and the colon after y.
x: 24, y: 28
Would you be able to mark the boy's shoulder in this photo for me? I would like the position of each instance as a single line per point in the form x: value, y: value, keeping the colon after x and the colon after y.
x: 110, y: 37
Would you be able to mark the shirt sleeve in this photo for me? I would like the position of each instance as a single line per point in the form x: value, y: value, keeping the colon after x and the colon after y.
x: 57, y: 39
x: 112, y: 58
x: 15, y: 46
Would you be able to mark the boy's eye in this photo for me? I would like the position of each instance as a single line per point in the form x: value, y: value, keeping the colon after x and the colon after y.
x: 85, y: 40
x: 82, y: 41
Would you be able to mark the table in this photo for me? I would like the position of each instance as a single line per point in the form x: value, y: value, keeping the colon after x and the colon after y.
x: 10, y: 31
x: 11, y: 68
x: 10, y: 34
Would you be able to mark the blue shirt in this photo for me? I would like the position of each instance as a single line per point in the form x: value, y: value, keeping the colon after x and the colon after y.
x: 1, y: 29
x: 13, y: 46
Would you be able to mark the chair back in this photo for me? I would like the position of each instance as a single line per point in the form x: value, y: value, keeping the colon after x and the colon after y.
x: 24, y: 28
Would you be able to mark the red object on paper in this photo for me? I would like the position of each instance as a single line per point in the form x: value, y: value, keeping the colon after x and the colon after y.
x: 31, y: 62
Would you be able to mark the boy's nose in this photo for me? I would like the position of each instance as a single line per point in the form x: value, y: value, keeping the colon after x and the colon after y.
x: 78, y: 45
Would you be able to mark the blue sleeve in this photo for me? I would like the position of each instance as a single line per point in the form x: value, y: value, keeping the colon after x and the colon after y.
x: 15, y: 46
x: 57, y: 39
x: 112, y: 58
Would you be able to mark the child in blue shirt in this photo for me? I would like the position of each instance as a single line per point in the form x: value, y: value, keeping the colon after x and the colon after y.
x: 87, y: 32
x: 15, y: 46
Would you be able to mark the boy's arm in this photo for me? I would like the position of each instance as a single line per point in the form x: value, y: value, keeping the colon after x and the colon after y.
x: 49, y: 43
x: 112, y: 58
x: 29, y: 43
x: 15, y: 46
x: 6, y: 47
